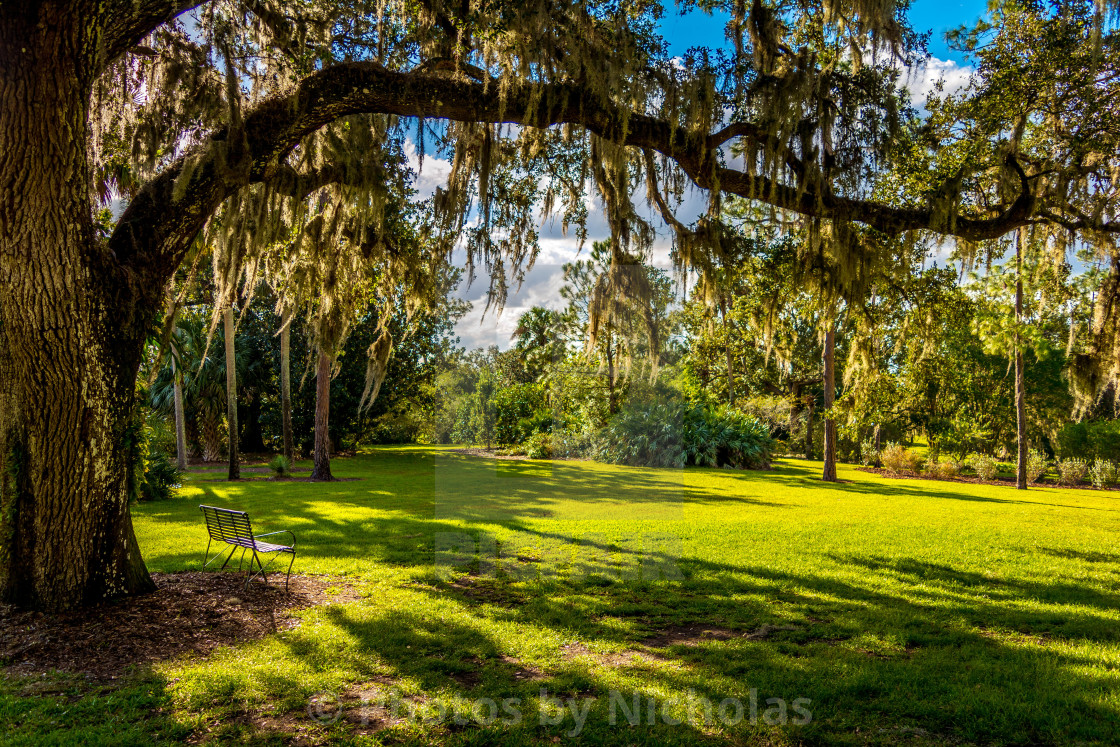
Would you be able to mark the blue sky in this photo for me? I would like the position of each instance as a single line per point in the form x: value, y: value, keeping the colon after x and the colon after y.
x: 699, y: 29
x: 543, y: 282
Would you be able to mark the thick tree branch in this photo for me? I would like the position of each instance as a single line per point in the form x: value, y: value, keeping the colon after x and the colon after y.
x: 161, y: 221
x: 128, y: 21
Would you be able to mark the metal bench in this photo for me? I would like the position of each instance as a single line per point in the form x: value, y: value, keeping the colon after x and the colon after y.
x: 233, y: 528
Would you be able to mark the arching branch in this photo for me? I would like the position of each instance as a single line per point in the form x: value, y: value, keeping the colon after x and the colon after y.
x: 163, y: 218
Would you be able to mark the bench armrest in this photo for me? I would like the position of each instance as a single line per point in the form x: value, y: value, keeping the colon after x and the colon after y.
x: 282, y: 531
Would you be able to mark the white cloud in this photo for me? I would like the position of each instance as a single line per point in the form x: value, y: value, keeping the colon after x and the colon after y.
x: 434, y: 173
x: 922, y: 80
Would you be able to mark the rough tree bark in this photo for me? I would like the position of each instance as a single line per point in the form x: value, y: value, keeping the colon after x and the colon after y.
x: 829, y: 397
x: 321, y: 472
x: 72, y: 329
x: 1020, y: 384
x: 286, y: 384
x: 231, y: 392
x: 180, y: 418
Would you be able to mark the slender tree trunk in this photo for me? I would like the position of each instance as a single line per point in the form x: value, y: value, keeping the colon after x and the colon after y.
x: 180, y: 418
x: 727, y: 349
x: 612, y: 382
x: 322, y: 469
x: 829, y: 397
x: 794, y: 411
x: 72, y: 328
x: 231, y: 393
x: 1020, y: 387
x: 809, y: 427
x: 286, y: 384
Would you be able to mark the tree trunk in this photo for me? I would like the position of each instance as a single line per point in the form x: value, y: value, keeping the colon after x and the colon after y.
x: 180, y: 419
x: 809, y: 427
x: 231, y: 394
x: 829, y: 397
x: 1020, y: 387
x: 727, y: 349
x: 794, y: 411
x: 322, y: 468
x: 72, y: 329
x: 286, y: 385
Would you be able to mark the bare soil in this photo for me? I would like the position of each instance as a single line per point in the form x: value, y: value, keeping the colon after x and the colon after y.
x: 189, y: 613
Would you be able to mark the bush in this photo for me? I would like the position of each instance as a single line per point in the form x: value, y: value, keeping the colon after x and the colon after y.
x: 538, y: 446
x: 897, y: 459
x: 1037, y: 466
x: 1102, y: 473
x: 985, y: 466
x: 1072, y: 471
x: 868, y: 454
x: 674, y: 434
x: 1091, y: 439
x: 573, y: 443
x: 281, y: 466
x: 161, y: 476
x: 942, y: 470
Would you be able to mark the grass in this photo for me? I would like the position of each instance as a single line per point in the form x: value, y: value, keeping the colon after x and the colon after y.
x: 904, y: 611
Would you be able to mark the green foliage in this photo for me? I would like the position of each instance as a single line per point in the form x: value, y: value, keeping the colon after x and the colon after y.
x: 1102, y: 473
x: 868, y: 454
x: 943, y: 470
x: 280, y: 465
x: 985, y: 466
x: 673, y: 434
x: 538, y: 446
x: 152, y: 475
x: 161, y: 477
x: 1091, y: 439
x: 898, y: 460
x: 520, y: 410
x: 1071, y: 471
x: 1037, y: 466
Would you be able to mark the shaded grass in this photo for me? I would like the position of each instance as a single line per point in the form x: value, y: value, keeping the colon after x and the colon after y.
x: 905, y: 611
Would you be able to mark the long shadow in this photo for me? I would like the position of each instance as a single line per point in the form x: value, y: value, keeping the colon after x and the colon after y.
x: 920, y: 644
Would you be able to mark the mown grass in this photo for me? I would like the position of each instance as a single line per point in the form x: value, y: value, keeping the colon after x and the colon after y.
x: 904, y: 611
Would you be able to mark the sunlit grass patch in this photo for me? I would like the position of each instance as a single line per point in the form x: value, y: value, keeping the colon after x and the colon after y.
x: 893, y: 611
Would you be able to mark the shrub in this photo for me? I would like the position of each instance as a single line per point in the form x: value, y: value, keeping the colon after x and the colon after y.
x: 674, y: 434
x: 573, y: 443
x: 942, y: 470
x: 281, y: 466
x: 1091, y: 439
x: 1072, y: 471
x: 1037, y: 466
x: 868, y: 454
x: 160, y: 477
x: 725, y: 437
x: 897, y: 459
x: 1102, y: 473
x: 985, y: 466
x: 538, y: 446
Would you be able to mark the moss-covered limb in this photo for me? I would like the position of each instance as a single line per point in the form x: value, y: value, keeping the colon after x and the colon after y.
x: 124, y: 23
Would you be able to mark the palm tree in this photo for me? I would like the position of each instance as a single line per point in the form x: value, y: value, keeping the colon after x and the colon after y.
x: 202, y: 387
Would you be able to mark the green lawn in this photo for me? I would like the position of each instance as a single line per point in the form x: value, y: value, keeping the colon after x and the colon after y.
x: 904, y: 611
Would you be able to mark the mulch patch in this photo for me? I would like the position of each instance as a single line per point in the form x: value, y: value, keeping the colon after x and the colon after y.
x: 1006, y: 482
x: 189, y: 613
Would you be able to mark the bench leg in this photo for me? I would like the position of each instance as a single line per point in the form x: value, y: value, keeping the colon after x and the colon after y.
x: 217, y: 555
x: 288, y: 577
x: 263, y: 572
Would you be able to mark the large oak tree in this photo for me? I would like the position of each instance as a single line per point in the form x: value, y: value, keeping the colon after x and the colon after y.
x: 179, y: 105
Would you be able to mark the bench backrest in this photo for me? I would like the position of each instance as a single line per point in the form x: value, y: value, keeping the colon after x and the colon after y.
x: 226, y: 524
